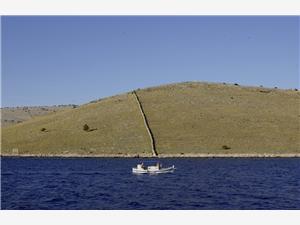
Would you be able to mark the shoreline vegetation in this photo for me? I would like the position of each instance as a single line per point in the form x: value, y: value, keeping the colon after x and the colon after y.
x: 187, y: 155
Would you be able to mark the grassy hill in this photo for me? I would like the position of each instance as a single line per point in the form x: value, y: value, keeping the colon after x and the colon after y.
x: 14, y: 115
x: 185, y: 118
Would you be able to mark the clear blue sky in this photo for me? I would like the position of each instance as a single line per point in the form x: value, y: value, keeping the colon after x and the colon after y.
x: 62, y: 60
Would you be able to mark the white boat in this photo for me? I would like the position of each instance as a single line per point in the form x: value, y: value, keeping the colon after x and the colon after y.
x: 140, y: 168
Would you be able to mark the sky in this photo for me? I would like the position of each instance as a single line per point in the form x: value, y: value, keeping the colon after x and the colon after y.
x: 52, y: 60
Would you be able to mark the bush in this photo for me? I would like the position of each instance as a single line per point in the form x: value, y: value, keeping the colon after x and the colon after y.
x: 43, y: 129
x: 264, y: 91
x: 225, y: 147
x: 236, y: 84
x: 86, y: 127
x: 295, y: 89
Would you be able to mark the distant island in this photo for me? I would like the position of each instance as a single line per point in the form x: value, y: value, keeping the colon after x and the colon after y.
x: 14, y: 115
x: 190, y: 119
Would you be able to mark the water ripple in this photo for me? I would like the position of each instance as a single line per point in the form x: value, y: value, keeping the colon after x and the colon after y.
x: 43, y: 183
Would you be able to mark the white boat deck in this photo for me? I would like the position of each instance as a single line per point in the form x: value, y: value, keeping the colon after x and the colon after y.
x: 141, y: 169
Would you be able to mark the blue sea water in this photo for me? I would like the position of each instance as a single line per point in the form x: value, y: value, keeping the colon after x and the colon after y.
x: 108, y: 183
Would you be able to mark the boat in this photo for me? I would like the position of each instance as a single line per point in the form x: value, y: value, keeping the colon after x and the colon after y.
x: 141, y: 169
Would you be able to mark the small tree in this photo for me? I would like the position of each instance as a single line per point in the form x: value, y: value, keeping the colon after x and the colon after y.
x: 43, y: 129
x: 225, y: 147
x: 86, y: 127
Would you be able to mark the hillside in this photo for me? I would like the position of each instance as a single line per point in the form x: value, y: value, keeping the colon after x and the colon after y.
x: 14, y: 115
x: 185, y: 118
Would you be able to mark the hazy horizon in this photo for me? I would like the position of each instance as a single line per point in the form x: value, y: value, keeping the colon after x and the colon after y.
x: 54, y: 60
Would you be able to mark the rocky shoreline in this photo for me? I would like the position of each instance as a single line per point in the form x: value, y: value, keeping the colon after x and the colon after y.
x: 187, y: 155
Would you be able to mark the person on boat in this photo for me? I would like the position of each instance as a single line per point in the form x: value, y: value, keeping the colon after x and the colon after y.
x: 142, y: 165
x: 158, y: 165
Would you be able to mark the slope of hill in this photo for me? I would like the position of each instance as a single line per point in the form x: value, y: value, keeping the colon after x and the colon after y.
x: 185, y: 118
x: 14, y: 115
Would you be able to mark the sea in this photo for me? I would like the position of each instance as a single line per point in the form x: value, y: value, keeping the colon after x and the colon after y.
x: 36, y: 183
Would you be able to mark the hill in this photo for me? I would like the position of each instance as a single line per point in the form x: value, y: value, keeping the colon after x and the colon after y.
x: 190, y: 118
x: 14, y: 115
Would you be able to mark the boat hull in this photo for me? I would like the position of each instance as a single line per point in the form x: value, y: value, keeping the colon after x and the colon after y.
x: 153, y: 170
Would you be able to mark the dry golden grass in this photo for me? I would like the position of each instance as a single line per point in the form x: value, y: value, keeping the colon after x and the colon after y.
x: 187, y: 118
x: 118, y: 124
x: 14, y: 115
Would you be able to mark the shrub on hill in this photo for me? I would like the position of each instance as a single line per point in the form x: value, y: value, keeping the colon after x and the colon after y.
x: 86, y: 127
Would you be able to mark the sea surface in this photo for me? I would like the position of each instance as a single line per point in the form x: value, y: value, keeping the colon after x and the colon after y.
x: 108, y: 183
